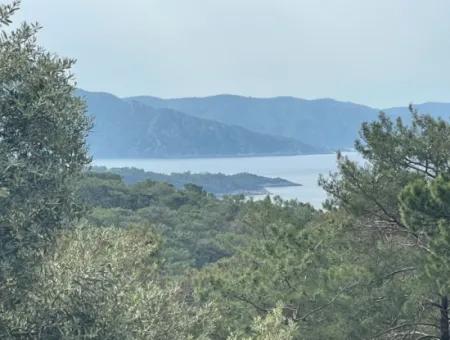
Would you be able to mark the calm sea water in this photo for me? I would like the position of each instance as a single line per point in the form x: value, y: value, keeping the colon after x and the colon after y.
x: 303, y: 169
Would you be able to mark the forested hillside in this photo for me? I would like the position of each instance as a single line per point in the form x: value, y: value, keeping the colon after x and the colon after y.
x: 124, y: 129
x: 219, y: 184
x: 324, y: 123
x: 85, y: 256
x: 228, y: 125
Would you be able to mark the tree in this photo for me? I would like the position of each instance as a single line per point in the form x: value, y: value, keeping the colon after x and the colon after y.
x: 274, y: 326
x: 42, y: 137
x: 42, y: 150
x: 425, y: 208
x: 104, y: 283
x: 333, y: 282
x: 389, y: 198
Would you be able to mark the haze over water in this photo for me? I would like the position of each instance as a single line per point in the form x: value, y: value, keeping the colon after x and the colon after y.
x: 302, y: 169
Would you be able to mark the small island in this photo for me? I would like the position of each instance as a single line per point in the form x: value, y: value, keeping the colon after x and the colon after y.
x: 218, y: 184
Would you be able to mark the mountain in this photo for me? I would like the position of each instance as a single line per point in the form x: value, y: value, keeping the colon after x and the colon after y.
x: 131, y: 129
x: 323, y: 122
x: 434, y: 109
x: 227, y: 125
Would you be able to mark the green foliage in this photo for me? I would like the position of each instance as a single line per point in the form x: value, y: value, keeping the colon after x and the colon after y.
x: 42, y: 138
x: 425, y: 209
x: 274, y: 326
x: 421, y: 147
x: 220, y: 184
x: 318, y: 267
x: 103, y: 283
x: 399, y: 198
x: 153, y: 261
x: 6, y: 11
x: 194, y: 225
x: 42, y: 154
x: 359, y: 266
x: 396, y: 155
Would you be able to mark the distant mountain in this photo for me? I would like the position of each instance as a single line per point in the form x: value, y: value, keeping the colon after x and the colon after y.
x: 325, y: 123
x: 131, y: 129
x: 434, y: 109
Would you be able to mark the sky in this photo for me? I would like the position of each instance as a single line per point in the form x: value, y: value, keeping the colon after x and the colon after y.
x: 380, y: 53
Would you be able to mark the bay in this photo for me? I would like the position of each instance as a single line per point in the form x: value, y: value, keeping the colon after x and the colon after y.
x: 302, y: 169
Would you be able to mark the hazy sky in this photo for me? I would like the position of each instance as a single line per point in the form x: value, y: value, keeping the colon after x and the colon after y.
x: 376, y: 52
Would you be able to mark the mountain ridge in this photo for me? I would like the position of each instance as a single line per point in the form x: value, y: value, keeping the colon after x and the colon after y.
x: 323, y: 122
x: 130, y: 129
x: 301, y: 119
x: 282, y: 125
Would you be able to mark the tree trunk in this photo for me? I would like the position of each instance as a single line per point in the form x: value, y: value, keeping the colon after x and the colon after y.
x: 445, y: 333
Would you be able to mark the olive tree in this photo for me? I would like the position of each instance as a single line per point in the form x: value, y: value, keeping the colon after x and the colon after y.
x: 43, y: 129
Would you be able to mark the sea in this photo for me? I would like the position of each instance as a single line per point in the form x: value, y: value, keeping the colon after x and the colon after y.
x: 301, y: 169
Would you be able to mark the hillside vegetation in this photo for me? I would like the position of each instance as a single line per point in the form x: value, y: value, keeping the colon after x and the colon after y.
x: 219, y: 184
x: 124, y: 129
x: 86, y: 256
x: 324, y: 123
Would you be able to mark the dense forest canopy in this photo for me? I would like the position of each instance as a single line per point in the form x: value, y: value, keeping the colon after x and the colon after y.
x: 85, y: 256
